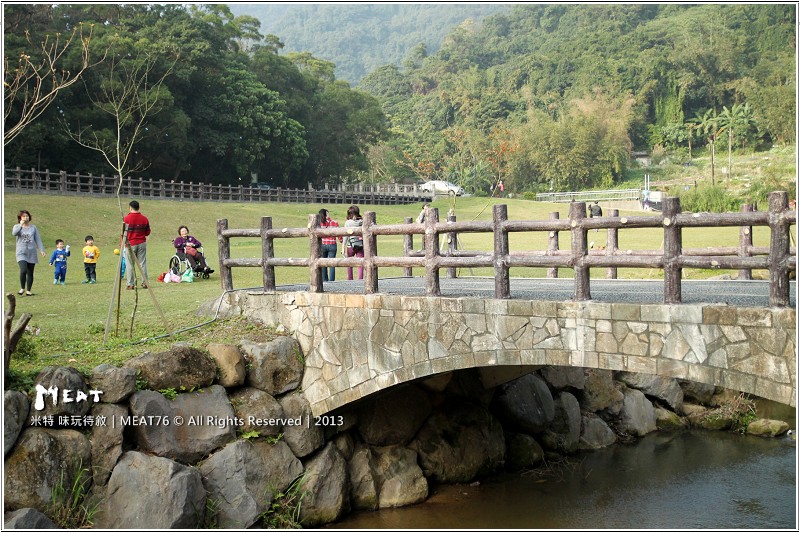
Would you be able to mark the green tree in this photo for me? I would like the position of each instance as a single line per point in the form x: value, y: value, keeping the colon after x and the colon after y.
x: 709, y: 125
x: 736, y: 121
x: 34, y: 77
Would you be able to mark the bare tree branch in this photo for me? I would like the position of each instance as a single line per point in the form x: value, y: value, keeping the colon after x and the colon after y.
x: 130, y: 96
x: 31, y: 86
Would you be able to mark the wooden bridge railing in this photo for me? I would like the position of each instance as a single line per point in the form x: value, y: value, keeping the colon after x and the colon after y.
x: 778, y: 258
x: 36, y: 181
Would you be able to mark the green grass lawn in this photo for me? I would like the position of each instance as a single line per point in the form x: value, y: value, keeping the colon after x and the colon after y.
x: 72, y: 318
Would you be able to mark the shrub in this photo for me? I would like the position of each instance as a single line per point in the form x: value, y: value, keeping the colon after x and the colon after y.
x: 708, y: 199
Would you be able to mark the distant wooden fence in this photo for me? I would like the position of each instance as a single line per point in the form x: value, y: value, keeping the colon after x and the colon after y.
x: 590, y: 196
x: 46, y: 182
x: 778, y: 258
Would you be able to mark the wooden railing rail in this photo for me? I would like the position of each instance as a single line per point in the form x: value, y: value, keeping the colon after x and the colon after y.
x: 47, y: 182
x: 779, y: 258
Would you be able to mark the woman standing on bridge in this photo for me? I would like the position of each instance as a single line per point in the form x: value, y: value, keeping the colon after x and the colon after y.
x: 354, y: 244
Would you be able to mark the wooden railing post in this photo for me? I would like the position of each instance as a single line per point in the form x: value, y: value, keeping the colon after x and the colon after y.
x: 745, y: 242
x: 612, y: 242
x: 432, y: 287
x: 408, y: 246
x: 502, y: 283
x: 315, y: 247
x: 673, y: 248
x: 452, y: 246
x: 224, y: 248
x: 267, y: 253
x: 580, y: 248
x: 778, y: 250
x: 552, y: 246
x: 370, y: 251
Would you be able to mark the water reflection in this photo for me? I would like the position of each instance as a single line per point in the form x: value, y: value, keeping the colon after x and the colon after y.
x: 684, y: 480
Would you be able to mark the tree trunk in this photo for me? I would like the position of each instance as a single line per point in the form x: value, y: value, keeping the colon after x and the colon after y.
x: 712, y: 163
x: 11, y: 337
x: 730, y: 151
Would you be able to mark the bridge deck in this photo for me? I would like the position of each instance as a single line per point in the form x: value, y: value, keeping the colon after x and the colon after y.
x: 753, y: 293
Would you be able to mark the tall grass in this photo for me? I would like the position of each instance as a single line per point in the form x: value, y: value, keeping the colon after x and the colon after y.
x: 70, y: 507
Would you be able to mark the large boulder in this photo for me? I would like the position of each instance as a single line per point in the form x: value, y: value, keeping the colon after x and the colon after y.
x: 149, y: 492
x: 28, y: 519
x: 363, y: 488
x: 764, y: 427
x: 394, y: 417
x: 15, y: 415
x: 522, y: 451
x: 325, y: 480
x: 274, y: 367
x: 565, y: 431
x: 106, y: 440
x: 668, y: 421
x: 300, y: 430
x: 525, y: 403
x: 637, y: 417
x: 116, y: 383
x: 398, y: 477
x: 42, y: 460
x: 564, y: 377
x: 599, y: 393
x: 185, y: 429
x: 258, y: 410
x: 182, y: 368
x: 699, y: 392
x: 595, y: 433
x: 459, y: 442
x: 230, y: 363
x: 659, y: 387
x: 244, y: 476
x: 61, y: 381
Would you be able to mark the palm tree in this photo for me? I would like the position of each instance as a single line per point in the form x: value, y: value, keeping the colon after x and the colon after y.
x: 708, y: 124
x: 736, y: 121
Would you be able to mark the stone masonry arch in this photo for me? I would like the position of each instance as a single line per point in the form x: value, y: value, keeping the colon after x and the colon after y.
x: 357, y: 344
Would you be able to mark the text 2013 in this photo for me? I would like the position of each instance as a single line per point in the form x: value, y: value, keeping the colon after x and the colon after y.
x: 329, y: 420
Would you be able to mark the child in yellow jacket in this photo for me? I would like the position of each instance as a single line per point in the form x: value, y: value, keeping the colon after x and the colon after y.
x: 91, y: 254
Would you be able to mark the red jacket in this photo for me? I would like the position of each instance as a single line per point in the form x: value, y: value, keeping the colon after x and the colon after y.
x: 138, y: 228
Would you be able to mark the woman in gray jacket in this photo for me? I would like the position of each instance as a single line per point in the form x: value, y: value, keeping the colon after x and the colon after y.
x: 28, y: 240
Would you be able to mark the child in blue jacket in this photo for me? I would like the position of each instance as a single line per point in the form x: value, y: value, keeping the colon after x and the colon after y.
x: 59, y: 260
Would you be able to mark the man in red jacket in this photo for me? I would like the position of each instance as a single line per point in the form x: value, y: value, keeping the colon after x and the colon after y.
x: 138, y: 230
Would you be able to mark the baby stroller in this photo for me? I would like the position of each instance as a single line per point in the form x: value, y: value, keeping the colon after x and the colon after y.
x: 180, y: 264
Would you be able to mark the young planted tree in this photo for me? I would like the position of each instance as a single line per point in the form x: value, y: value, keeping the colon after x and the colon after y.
x: 129, y: 94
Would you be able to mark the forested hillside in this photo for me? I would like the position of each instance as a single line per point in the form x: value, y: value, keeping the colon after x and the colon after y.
x: 178, y: 92
x: 358, y: 38
x: 538, y: 96
x: 557, y: 96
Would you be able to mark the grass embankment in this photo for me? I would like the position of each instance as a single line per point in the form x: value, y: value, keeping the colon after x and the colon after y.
x: 71, y: 319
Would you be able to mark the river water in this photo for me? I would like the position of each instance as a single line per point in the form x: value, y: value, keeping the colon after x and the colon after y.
x: 681, y: 480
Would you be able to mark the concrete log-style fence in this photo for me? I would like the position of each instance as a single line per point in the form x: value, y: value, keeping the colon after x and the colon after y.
x: 779, y: 258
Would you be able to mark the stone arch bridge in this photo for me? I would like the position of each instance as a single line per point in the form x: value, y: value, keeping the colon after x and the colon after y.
x: 358, y: 344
